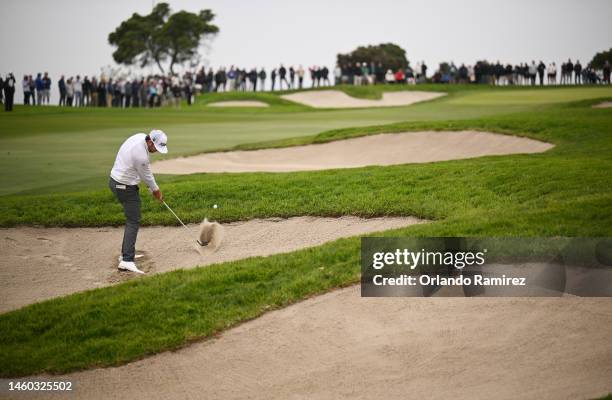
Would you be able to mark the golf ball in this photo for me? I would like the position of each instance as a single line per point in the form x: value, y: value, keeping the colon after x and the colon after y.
x: 215, y: 206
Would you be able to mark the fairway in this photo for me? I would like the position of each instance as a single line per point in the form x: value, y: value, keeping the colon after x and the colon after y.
x: 529, y: 96
x: 55, y: 151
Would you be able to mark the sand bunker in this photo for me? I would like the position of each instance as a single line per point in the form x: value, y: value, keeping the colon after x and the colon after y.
x: 340, y: 345
x: 338, y: 99
x: 388, y: 149
x: 239, y: 103
x: 41, y: 263
x: 605, y: 104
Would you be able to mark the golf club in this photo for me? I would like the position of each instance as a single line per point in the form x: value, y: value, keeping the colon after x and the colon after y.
x: 184, y: 226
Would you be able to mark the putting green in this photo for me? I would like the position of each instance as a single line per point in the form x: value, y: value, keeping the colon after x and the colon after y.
x: 532, y: 96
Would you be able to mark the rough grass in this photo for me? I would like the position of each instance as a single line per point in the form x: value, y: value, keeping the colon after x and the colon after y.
x: 566, y: 191
x: 129, y: 321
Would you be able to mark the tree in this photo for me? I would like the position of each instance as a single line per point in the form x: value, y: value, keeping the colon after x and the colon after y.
x: 182, y: 33
x: 390, y: 55
x: 600, y: 59
x: 161, y: 36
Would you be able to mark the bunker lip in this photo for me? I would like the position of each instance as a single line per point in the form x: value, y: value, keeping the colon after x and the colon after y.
x: 605, y: 104
x: 339, y: 99
x: 41, y: 263
x: 459, y: 347
x: 382, y: 149
x: 238, y: 103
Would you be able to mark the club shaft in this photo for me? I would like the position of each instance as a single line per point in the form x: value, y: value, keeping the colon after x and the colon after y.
x: 176, y: 216
x: 179, y: 220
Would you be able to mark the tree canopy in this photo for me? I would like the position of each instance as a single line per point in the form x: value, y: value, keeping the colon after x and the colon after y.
x: 600, y: 59
x: 161, y: 37
x: 390, y: 55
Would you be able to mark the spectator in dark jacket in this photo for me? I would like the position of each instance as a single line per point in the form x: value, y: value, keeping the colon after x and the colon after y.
x: 262, y: 79
x: 135, y: 93
x: 128, y: 94
x: 32, y: 90
x: 606, y: 72
x: 101, y: 89
x: 9, y: 92
x: 40, y: 88
x: 209, y: 80
x: 325, y: 76
x: 253, y: 79
x: 570, y: 69
x: 578, y: 73
x: 380, y: 73
x: 46, y: 88
x: 282, y: 76
x: 61, y: 84
x: 86, y: 91
x: 463, y: 74
x: 220, y: 80
x: 541, y: 69
x: 187, y: 88
x: 292, y: 76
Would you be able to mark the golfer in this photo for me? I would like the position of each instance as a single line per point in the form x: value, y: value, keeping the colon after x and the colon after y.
x: 131, y: 166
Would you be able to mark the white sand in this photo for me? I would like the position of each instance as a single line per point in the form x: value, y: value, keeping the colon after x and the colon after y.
x: 41, y: 263
x: 605, y: 104
x: 387, y: 149
x: 338, y: 99
x: 340, y: 345
x: 239, y: 103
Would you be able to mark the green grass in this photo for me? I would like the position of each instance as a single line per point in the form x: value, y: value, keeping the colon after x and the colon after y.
x: 272, y: 99
x: 529, y: 96
x: 577, y: 169
x: 51, y: 150
x: 566, y: 191
x: 174, y: 309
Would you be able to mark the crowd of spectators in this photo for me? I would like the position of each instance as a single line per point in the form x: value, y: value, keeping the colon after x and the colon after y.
x: 241, y: 79
x: 152, y: 91
x: 363, y: 73
x: 522, y: 74
x: 160, y: 90
x: 481, y: 72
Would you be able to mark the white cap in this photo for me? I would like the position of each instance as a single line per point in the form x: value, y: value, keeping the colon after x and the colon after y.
x: 160, y: 140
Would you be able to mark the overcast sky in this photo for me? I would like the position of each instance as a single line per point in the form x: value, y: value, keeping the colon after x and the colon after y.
x: 70, y: 36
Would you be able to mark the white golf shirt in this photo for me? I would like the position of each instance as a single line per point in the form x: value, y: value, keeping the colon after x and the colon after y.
x: 132, y: 163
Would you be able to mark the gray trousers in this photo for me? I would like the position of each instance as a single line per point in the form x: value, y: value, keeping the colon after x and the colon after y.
x: 129, y: 198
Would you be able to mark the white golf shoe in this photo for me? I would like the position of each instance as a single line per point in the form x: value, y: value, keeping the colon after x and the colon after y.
x: 129, y: 266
